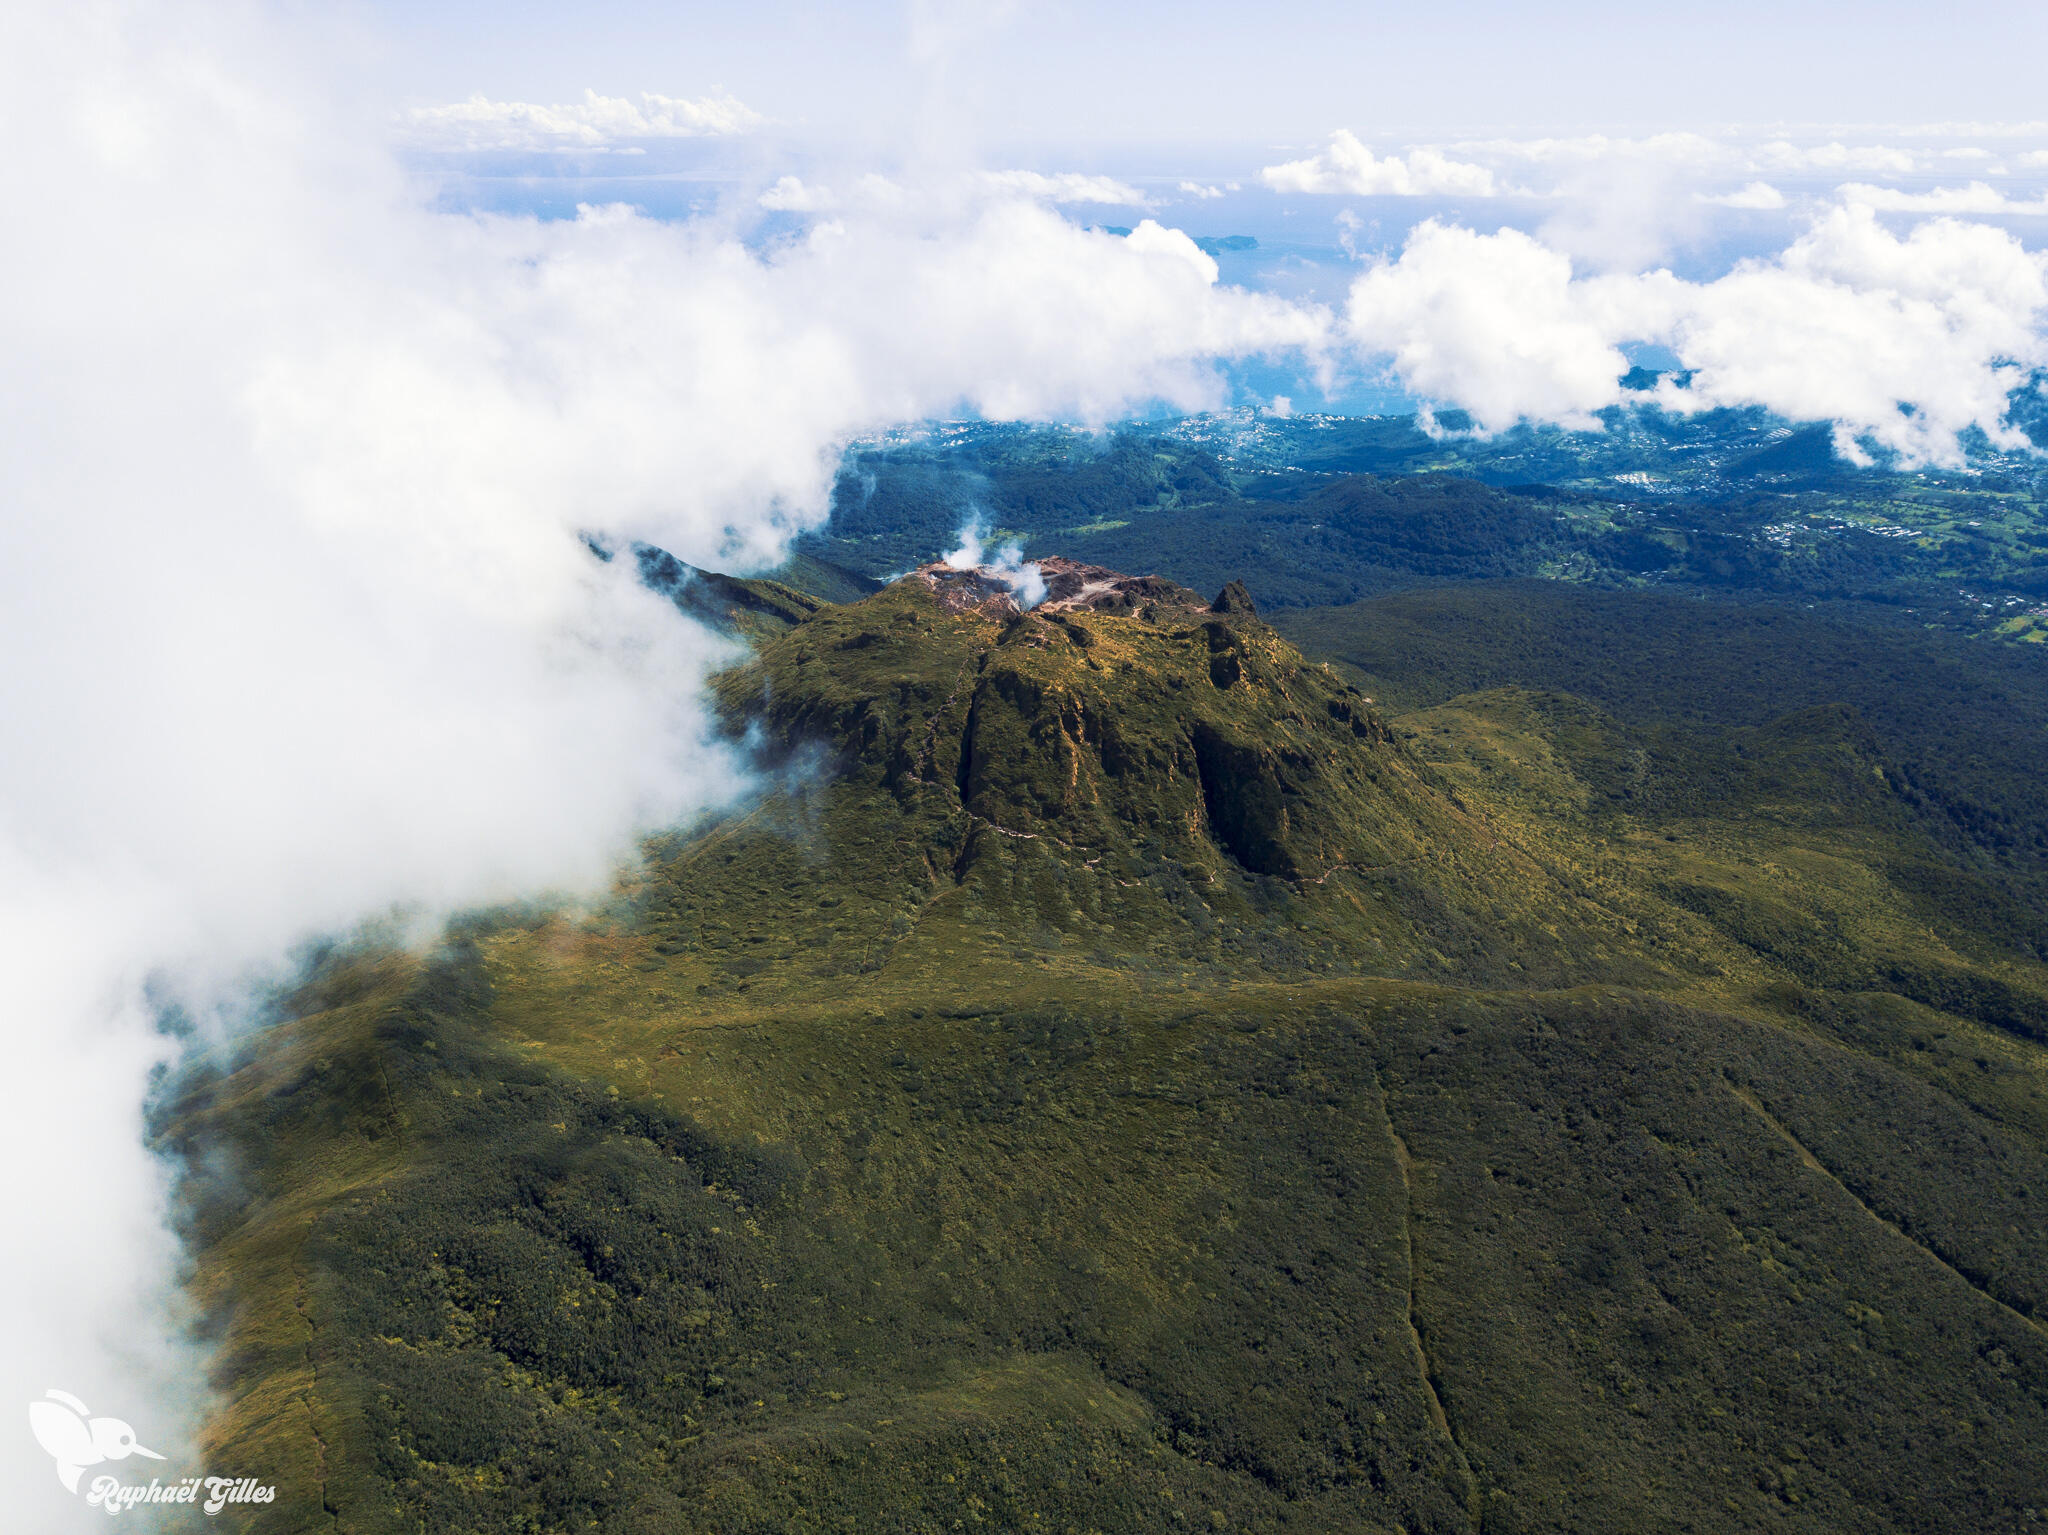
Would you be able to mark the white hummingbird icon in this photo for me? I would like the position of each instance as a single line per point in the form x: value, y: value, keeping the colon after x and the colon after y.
x: 65, y: 1428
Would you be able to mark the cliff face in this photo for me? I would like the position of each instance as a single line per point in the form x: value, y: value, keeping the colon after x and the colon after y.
x: 1119, y: 711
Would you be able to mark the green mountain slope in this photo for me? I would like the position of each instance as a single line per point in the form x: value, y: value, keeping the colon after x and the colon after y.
x: 1963, y: 726
x: 1118, y: 1078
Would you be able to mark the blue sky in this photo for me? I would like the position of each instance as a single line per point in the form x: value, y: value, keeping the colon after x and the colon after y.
x: 1111, y: 79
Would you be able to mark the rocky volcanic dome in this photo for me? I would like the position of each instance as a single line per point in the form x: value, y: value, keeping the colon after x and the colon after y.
x: 1116, y: 713
x: 994, y: 590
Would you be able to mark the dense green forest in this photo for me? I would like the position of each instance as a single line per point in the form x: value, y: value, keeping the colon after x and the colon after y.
x: 1395, y: 1045
x: 1128, y: 1078
x: 1320, y: 510
x: 1963, y: 726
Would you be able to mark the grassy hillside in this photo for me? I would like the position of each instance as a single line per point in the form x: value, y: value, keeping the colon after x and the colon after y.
x: 1962, y: 726
x: 1121, y: 1078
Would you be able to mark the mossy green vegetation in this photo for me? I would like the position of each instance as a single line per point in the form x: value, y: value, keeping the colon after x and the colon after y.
x: 1119, y: 1076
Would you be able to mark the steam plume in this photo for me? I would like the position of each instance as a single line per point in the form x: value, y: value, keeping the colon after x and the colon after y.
x: 1006, y: 563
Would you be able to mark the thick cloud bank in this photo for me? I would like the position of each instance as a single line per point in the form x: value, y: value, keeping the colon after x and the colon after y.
x: 297, y: 623
x: 1904, y: 341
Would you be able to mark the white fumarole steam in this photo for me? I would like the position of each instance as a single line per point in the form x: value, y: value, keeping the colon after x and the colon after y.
x: 1006, y: 564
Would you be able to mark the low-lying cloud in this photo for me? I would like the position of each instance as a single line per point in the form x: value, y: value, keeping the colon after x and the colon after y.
x: 1903, y: 341
x: 1860, y: 159
x: 880, y: 194
x: 1978, y: 198
x: 1758, y: 197
x: 1624, y: 195
x: 1349, y: 167
x: 594, y: 123
x: 1066, y: 187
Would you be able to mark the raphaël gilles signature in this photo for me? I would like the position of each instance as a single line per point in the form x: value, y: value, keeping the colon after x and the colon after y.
x: 221, y: 1492
x: 65, y: 1427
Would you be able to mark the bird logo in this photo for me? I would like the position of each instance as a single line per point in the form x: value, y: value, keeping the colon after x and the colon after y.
x: 77, y: 1439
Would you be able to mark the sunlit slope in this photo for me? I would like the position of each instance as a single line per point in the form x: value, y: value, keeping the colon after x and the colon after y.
x: 1962, y: 726
x: 1118, y: 1079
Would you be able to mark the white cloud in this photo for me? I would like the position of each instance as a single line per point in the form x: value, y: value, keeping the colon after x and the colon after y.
x: 1703, y: 156
x: 1196, y: 189
x: 791, y: 195
x: 594, y: 123
x: 295, y: 618
x: 1656, y: 172
x: 1760, y: 196
x: 1155, y: 239
x: 1907, y: 340
x: 1065, y: 187
x: 1616, y: 203
x: 938, y: 196
x: 1976, y: 198
x: 1347, y: 167
x: 1954, y: 130
x: 1783, y: 155
x: 1685, y: 154
x: 1492, y: 323
x: 1667, y: 149
x: 1904, y: 340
